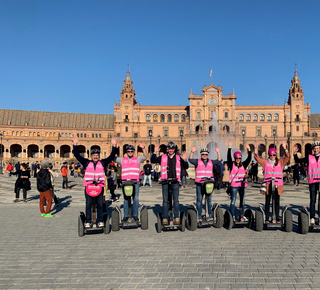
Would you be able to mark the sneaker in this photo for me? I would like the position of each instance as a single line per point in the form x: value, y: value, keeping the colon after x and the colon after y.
x: 100, y: 225
x: 136, y: 218
x: 312, y: 221
x: 16, y: 200
x: 24, y: 200
x: 165, y: 222
x: 177, y: 221
x: 125, y: 219
x: 43, y: 214
x: 199, y: 219
x: 87, y: 225
x: 244, y: 219
x: 49, y: 215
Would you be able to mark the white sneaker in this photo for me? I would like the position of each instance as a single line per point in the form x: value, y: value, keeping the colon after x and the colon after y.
x: 100, y: 225
x: 312, y: 221
x: 87, y: 225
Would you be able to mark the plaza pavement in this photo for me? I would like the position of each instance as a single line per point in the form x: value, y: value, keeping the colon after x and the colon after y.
x: 46, y: 253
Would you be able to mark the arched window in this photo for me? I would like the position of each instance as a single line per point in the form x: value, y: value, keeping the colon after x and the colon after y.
x: 155, y: 118
x: 176, y: 118
x: 148, y: 118
x: 248, y: 118
x: 276, y: 117
x: 262, y: 118
x: 183, y: 118
x: 269, y: 117
x: 241, y: 118
x: 255, y: 118
x: 162, y: 119
x: 169, y: 118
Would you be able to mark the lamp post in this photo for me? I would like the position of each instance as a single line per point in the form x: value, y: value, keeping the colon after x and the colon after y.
x: 150, y: 136
x: 265, y: 142
x: 159, y: 140
x: 243, y: 133
x: 274, y: 132
x: 181, y: 136
x: 1, y: 154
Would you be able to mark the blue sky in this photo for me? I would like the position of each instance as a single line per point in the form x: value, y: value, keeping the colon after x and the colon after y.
x: 72, y: 55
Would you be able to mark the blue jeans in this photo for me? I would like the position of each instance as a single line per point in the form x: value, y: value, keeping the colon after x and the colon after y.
x: 199, y: 200
x: 175, y: 198
x: 135, y: 203
x: 234, y: 191
x: 145, y: 179
x: 313, y: 188
x: 184, y: 180
x: 89, y: 201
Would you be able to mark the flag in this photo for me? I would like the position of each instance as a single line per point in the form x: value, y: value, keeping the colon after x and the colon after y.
x: 210, y: 73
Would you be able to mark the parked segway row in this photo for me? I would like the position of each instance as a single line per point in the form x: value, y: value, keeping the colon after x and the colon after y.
x: 211, y: 216
x: 128, y: 189
x: 93, y: 190
x: 171, y: 224
x: 263, y: 221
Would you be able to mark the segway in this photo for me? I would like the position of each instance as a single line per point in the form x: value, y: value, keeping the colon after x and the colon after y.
x: 286, y: 220
x: 128, y: 189
x: 304, y: 221
x: 211, y: 217
x: 171, y: 225
x: 230, y: 221
x: 93, y: 190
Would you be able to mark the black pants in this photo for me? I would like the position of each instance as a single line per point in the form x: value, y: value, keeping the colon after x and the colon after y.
x: 296, y: 178
x: 112, y: 189
x: 89, y: 201
x: 24, y: 192
x: 276, y: 203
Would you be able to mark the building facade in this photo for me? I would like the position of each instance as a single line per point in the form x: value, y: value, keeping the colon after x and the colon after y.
x: 209, y: 118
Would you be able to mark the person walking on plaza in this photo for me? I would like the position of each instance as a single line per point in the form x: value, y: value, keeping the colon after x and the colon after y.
x: 237, y: 179
x: 22, y: 182
x: 53, y: 176
x: 130, y: 168
x: 296, y: 174
x: 272, y: 167
x: 64, y: 172
x: 157, y: 170
x: 36, y: 169
x: 313, y: 173
x: 171, y: 165
x: 147, y: 169
x: 44, y: 187
x: 112, y: 184
x: 203, y: 169
x: 254, y: 171
x: 9, y: 169
x: 94, y: 174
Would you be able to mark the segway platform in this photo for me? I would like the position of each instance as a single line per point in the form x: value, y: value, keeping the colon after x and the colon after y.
x: 94, y: 228
x: 231, y: 222
x: 304, y: 222
x: 171, y: 225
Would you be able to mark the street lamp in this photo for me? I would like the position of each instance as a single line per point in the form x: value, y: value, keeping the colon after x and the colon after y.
x: 243, y: 133
x: 181, y: 136
x: 159, y: 140
x: 1, y: 154
x: 274, y: 132
x: 265, y: 142
x: 150, y: 136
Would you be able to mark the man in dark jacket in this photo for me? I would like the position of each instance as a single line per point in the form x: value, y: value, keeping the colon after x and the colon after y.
x: 44, y: 187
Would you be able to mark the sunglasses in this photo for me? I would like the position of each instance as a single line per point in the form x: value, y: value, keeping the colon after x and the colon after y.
x: 238, y: 157
x: 273, y: 155
x: 130, y: 151
x: 204, y: 154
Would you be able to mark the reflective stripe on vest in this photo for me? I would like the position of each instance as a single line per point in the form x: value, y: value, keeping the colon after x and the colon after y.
x: 164, y: 167
x: 313, y: 170
x: 130, y: 169
x: 202, y: 171
x: 96, y: 173
x: 269, y: 172
x: 237, y: 176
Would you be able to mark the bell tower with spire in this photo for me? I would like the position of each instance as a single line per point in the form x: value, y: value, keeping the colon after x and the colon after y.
x: 295, y: 92
x: 128, y: 94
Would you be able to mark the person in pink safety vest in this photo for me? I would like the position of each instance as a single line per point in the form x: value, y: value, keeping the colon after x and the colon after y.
x: 313, y: 173
x: 273, y: 167
x: 130, y: 170
x: 94, y: 175
x: 237, y: 178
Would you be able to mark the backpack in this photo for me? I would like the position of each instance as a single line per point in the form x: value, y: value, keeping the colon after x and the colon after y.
x: 217, y: 170
x: 147, y: 169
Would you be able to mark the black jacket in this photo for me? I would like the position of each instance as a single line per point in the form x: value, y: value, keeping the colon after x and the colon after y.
x: 43, y: 180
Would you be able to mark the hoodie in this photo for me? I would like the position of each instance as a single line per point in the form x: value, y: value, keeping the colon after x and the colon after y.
x: 44, y: 180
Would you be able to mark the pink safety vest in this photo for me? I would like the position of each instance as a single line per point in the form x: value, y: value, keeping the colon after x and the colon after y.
x: 313, y: 170
x: 94, y: 173
x: 237, y: 175
x: 202, y: 171
x: 269, y: 172
x: 130, y: 169
x: 164, y: 167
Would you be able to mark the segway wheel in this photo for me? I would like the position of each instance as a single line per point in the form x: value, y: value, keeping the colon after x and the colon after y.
x: 219, y: 218
x: 106, y: 222
x: 249, y: 215
x: 288, y: 221
x: 259, y: 221
x: 191, y: 220
x: 182, y: 221
x: 228, y: 220
x: 303, y: 223
x: 80, y: 227
x: 159, y: 223
x: 144, y: 218
x: 115, y: 221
